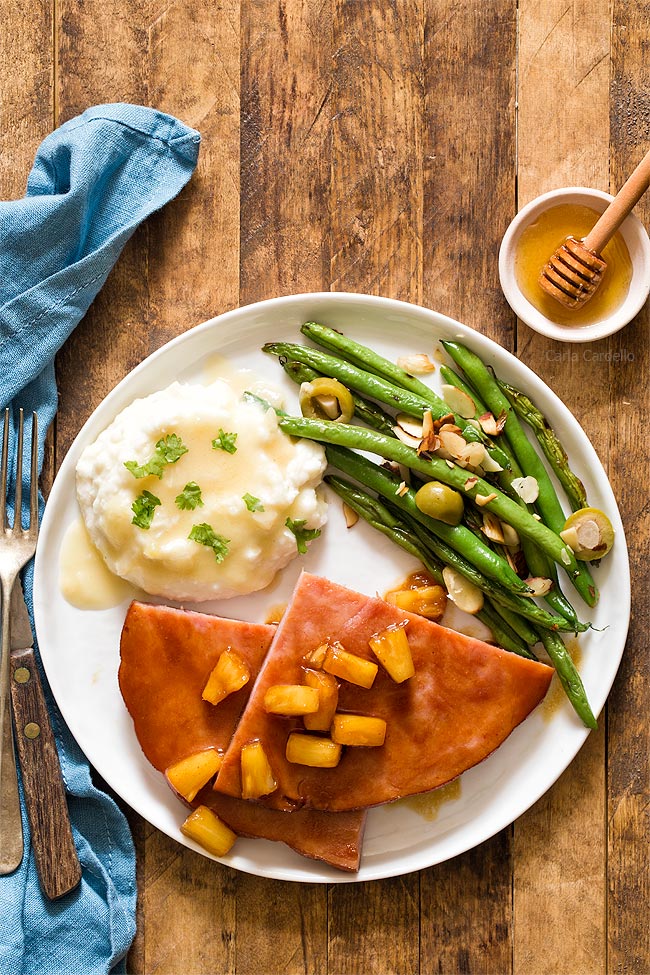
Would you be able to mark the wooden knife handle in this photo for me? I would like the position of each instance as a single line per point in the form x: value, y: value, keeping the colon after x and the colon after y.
x: 54, y: 850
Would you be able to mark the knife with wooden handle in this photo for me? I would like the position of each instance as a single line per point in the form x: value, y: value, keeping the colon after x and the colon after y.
x: 55, y: 854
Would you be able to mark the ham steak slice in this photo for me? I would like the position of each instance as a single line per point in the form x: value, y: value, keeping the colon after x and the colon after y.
x: 166, y: 656
x: 464, y: 700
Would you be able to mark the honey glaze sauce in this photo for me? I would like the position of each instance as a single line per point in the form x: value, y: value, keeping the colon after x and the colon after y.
x: 84, y: 579
x: 539, y: 241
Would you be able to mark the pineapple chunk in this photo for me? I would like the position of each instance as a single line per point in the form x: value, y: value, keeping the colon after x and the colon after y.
x: 427, y: 601
x: 313, y: 751
x: 358, y: 729
x: 348, y: 666
x: 291, y: 699
x: 205, y: 828
x: 392, y: 650
x: 229, y: 675
x: 328, y: 698
x: 190, y: 774
x: 257, y: 777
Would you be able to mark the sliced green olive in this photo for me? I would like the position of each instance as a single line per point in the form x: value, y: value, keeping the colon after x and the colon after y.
x: 589, y: 533
x: 441, y: 502
x: 326, y: 399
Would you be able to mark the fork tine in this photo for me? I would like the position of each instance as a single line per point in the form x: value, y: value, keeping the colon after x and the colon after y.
x: 3, y: 472
x: 18, y: 496
x: 33, y: 477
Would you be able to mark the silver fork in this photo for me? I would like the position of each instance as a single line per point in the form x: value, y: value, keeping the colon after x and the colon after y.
x: 17, y: 545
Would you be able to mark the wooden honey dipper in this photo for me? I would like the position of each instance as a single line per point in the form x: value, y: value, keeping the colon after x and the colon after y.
x: 575, y: 270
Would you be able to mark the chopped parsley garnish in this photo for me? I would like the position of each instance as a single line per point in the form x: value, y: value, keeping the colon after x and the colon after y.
x: 252, y: 503
x: 190, y: 497
x: 205, y: 534
x: 143, y: 509
x: 225, y: 441
x: 168, y: 451
x: 302, y: 534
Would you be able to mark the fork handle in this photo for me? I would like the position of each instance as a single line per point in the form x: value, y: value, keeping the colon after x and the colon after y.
x: 52, y: 842
x: 11, y: 826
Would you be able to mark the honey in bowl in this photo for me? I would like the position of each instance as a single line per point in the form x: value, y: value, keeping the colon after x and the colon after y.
x: 539, y: 241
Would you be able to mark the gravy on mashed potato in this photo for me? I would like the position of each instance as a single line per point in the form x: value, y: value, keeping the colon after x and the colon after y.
x: 193, y: 493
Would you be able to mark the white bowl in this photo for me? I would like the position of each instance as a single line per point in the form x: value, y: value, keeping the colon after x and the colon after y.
x: 638, y: 244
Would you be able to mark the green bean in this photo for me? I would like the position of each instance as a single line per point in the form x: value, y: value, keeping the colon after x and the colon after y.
x: 362, y: 382
x: 518, y: 623
x: 529, y: 461
x: 568, y: 676
x: 368, y: 360
x: 392, y: 449
x: 364, y: 409
x: 503, y: 634
x: 459, y: 538
x: 379, y: 517
x: 550, y: 444
x: 518, y: 604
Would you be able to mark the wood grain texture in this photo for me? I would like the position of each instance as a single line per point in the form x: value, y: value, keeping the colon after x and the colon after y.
x: 628, y: 754
x: 376, y: 235
x: 469, y: 152
x: 564, y: 60
x: 371, y: 146
x: 55, y: 854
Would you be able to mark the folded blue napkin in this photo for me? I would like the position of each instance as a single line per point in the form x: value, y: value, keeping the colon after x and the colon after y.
x: 93, y: 182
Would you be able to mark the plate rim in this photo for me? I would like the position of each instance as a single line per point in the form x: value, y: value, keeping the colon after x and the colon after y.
x: 411, y: 859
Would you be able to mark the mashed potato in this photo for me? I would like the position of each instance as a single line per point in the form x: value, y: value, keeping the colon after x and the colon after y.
x: 213, y: 501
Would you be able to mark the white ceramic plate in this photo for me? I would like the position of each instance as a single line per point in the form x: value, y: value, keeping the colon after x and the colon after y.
x: 80, y: 649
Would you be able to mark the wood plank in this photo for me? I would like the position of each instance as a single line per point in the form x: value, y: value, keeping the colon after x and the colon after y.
x: 376, y: 232
x: 376, y: 199
x: 628, y: 755
x: 27, y: 94
x: 281, y: 928
x: 560, y: 856
x: 158, y: 289
x: 469, y: 151
x: 26, y: 72
x: 285, y: 148
x: 469, y: 148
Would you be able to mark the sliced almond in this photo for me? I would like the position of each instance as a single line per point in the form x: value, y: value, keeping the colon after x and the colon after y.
x: 402, y: 489
x: 490, y: 465
x: 462, y: 592
x: 410, y: 425
x: 510, y: 536
x: 527, y: 488
x: 406, y: 438
x: 538, y: 586
x: 470, y: 483
x: 351, y: 516
x: 488, y: 424
x: 492, y: 528
x: 452, y: 443
x: 483, y: 499
x: 473, y: 454
x: 459, y: 401
x: 417, y: 364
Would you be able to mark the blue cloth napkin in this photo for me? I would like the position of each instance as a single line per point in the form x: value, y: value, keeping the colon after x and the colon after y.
x: 94, y: 180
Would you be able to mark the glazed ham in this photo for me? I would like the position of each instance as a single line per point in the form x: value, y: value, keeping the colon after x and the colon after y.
x: 463, y: 701
x: 166, y: 657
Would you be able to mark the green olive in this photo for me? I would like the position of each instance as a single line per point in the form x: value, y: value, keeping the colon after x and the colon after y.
x: 441, y: 502
x: 589, y: 533
x: 326, y: 399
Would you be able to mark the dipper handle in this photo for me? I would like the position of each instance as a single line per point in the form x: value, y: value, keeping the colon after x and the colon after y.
x: 628, y: 195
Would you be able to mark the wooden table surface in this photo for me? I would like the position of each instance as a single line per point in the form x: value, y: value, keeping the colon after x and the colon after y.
x: 382, y: 147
